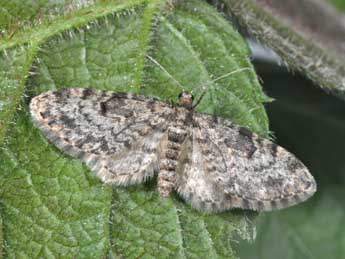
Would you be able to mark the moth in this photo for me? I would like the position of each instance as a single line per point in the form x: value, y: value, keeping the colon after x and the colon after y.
x: 214, y: 164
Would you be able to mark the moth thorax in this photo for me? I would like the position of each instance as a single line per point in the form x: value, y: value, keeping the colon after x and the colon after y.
x: 186, y: 99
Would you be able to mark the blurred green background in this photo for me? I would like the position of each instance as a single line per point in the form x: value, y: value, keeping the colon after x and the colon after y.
x: 340, y: 4
x: 311, y: 124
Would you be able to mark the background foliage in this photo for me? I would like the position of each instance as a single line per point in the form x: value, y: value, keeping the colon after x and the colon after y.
x: 339, y: 4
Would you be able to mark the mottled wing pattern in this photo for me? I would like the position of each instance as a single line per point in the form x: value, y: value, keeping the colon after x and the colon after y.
x: 225, y: 166
x: 118, y: 135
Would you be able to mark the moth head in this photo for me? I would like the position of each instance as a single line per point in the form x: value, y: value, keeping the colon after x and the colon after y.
x: 186, y: 99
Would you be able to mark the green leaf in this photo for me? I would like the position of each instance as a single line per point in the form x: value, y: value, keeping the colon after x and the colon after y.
x: 1, y: 237
x: 296, y: 30
x: 340, y: 4
x: 50, y: 208
x: 145, y: 225
x: 313, y: 230
x: 14, y: 68
x: 53, y: 207
x: 17, y: 14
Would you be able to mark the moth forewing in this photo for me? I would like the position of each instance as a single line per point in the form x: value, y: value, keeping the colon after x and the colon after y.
x: 213, y: 163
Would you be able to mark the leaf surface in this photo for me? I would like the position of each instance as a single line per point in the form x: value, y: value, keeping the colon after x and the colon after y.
x: 307, y: 35
x: 53, y: 207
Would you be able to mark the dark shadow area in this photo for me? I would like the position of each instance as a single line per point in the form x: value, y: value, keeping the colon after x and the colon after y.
x: 307, y: 121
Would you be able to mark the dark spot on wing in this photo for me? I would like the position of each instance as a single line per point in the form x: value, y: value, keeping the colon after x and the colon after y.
x: 86, y: 140
x: 307, y: 184
x: 127, y: 144
x: 115, y: 105
x: 126, y: 112
x: 151, y: 105
x: 58, y: 93
x: 87, y: 92
x: 250, y: 150
x: 245, y: 132
x: 176, y: 136
x: 295, y: 164
x: 104, y: 146
x: 61, y: 94
x: 228, y: 142
x: 51, y: 122
x: 274, y: 149
x: 259, y: 141
x: 274, y: 183
x: 45, y: 114
x: 103, y: 107
x: 121, y: 96
x: 68, y: 121
x: 212, y: 122
x: 243, y: 143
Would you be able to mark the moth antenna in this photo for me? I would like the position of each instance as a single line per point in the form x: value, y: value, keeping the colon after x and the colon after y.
x: 200, y: 98
x: 229, y: 74
x: 204, y: 88
x: 164, y: 70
